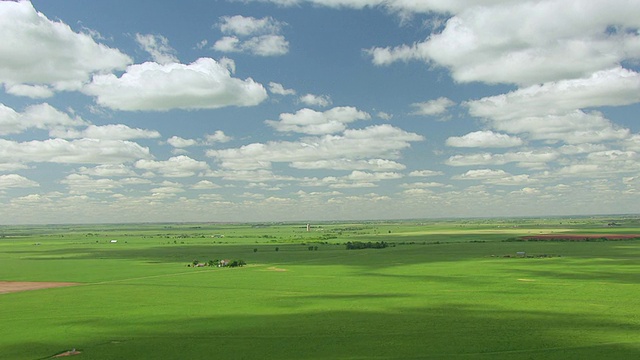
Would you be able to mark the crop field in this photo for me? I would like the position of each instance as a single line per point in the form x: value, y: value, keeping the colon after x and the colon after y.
x: 459, y: 289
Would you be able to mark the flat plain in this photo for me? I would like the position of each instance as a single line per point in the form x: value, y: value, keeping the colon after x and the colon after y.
x: 446, y: 289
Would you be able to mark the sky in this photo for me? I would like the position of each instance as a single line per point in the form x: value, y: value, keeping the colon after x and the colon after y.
x: 316, y: 110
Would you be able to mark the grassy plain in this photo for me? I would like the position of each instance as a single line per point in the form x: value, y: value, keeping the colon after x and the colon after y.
x: 441, y: 290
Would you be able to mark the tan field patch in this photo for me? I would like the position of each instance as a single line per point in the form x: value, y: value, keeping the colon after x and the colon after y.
x: 526, y: 280
x: 68, y: 353
x: 16, y: 286
x: 273, y: 268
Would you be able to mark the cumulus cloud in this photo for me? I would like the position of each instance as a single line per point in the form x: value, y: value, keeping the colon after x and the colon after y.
x: 250, y: 35
x: 48, y: 55
x: 16, y: 181
x: 203, y: 84
x: 205, y: 185
x: 278, y: 89
x: 425, y: 173
x: 179, y: 142
x: 79, y: 151
x: 107, y: 132
x: 84, y: 184
x: 347, y: 164
x: 32, y: 91
x: 178, y: 166
x: 495, y: 177
x: 400, y: 6
x: 527, y: 42
x: 527, y: 159
x: 422, y: 185
x: 315, y: 100
x: 484, y: 139
x: 432, y: 107
x: 613, y: 87
x: 246, y: 26
x: 356, y: 179
x: 107, y: 170
x: 218, y: 137
x: 41, y: 116
x: 380, y: 141
x: 552, y: 111
x: 313, y: 122
x: 158, y: 47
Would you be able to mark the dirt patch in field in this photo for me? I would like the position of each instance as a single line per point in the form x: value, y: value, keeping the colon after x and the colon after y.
x: 526, y: 280
x: 580, y: 237
x: 16, y: 286
x: 273, y: 268
x: 67, y: 353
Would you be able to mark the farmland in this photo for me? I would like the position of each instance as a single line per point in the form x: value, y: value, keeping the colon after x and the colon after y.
x: 456, y: 289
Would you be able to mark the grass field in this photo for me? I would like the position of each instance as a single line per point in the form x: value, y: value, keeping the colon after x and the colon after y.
x: 440, y: 290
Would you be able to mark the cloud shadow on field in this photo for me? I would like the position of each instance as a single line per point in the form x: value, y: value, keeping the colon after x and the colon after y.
x: 443, y: 332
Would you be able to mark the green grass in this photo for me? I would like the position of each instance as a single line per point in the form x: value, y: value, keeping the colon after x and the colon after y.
x: 442, y: 290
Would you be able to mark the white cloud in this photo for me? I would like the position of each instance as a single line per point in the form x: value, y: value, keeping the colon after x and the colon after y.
x: 313, y: 122
x: 107, y: 170
x: 16, y: 181
x: 422, y: 185
x: 264, y: 45
x: 484, y: 139
x: 247, y: 26
x: 250, y: 35
x: 31, y: 52
x: 528, y: 42
x: 380, y: 141
x: 177, y: 166
x: 72, y: 152
x: 400, y: 6
x: 205, y: 185
x: 158, y: 47
x: 167, y: 188
x: 432, y: 107
x: 552, y: 111
x: 84, y: 184
x: 41, y: 116
x: 252, y: 175
x: 495, y: 177
x: 32, y: 91
x: 203, y: 84
x: 179, y: 142
x: 315, y: 100
x: 107, y: 132
x: 425, y: 173
x: 218, y: 137
x: 537, y: 158
x: 356, y: 179
x: 278, y: 89
x: 613, y: 87
x: 384, y: 116
x: 11, y: 166
x: 348, y: 164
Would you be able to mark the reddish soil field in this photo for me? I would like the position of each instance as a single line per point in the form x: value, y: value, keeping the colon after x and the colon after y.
x: 580, y: 237
x: 15, y: 286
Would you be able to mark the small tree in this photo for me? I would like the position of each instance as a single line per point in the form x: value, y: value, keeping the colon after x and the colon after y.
x: 196, y: 262
x: 277, y: 248
x: 255, y: 250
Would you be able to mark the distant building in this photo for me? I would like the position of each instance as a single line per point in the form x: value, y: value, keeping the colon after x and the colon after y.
x: 308, y: 227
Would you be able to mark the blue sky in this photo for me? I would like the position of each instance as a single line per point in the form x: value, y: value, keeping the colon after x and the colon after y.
x: 296, y: 110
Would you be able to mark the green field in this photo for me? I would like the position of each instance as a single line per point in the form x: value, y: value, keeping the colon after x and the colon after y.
x: 439, y: 290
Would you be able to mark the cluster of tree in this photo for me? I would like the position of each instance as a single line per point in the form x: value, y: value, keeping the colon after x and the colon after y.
x: 219, y: 263
x: 357, y: 245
